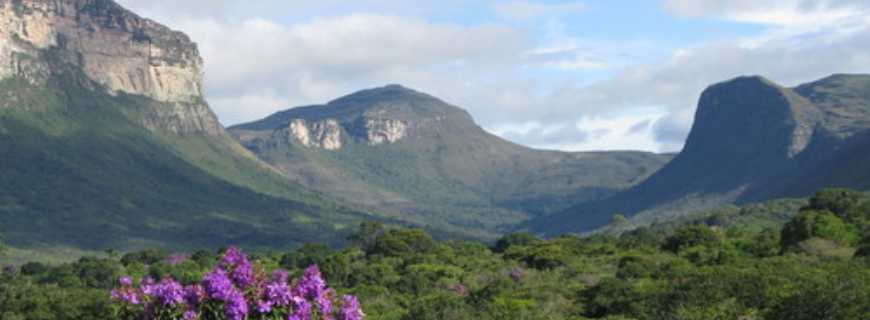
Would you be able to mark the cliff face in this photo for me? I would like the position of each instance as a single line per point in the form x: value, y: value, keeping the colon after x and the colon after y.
x: 324, y: 134
x: 752, y: 140
x: 120, y: 51
x: 751, y: 118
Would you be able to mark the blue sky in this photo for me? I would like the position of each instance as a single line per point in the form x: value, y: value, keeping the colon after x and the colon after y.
x: 567, y: 75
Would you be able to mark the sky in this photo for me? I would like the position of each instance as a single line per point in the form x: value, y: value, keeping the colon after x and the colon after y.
x: 567, y: 75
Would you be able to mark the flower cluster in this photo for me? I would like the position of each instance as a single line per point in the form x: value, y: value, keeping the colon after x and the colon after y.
x: 236, y: 290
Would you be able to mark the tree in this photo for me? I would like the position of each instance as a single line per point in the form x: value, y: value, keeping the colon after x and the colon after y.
x: 146, y: 257
x: 402, y: 242
x: 542, y: 255
x: 864, y: 247
x: 619, y: 220
x: 690, y: 236
x: 368, y: 232
x: 642, y: 237
x: 811, y: 223
x: 514, y: 239
x: 308, y: 254
x: 846, y: 204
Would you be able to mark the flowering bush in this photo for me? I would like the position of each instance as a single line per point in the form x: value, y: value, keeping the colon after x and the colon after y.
x: 235, y: 290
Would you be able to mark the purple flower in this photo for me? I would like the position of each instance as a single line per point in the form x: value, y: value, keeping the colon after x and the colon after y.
x: 232, y: 257
x: 241, y: 290
x: 126, y: 295
x: 194, y: 295
x: 240, y: 268
x: 126, y: 281
x: 243, y: 274
x: 169, y: 292
x: 302, y: 311
x: 10, y: 270
x: 350, y: 309
x: 460, y: 289
x: 518, y: 274
x: 147, y: 286
x: 312, y: 285
x: 191, y: 315
x: 218, y: 285
x: 236, y: 307
x: 264, y: 307
x: 278, y: 293
x: 281, y: 276
x: 324, y: 301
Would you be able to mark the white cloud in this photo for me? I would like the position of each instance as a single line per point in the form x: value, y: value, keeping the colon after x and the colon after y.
x: 627, y: 132
x: 318, y: 60
x: 772, y: 12
x: 528, y: 10
x: 258, y: 63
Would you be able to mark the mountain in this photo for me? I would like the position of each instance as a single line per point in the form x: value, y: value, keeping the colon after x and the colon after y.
x: 752, y: 140
x: 412, y: 156
x: 107, y: 142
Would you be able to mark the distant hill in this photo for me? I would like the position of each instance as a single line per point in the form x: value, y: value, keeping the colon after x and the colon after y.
x: 752, y: 140
x: 107, y: 142
x: 412, y: 156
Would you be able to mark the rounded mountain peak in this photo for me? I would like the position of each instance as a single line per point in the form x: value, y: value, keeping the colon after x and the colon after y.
x: 751, y: 117
x: 385, y: 93
x: 391, y: 102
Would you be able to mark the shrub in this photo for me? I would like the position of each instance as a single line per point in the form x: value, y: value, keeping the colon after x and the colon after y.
x: 234, y: 290
x: 690, y: 236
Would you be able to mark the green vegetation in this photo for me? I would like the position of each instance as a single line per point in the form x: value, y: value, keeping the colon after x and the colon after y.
x: 687, y: 271
x: 445, y: 173
x: 80, y: 173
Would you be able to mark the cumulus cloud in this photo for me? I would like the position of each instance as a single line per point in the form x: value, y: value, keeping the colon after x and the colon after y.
x: 259, y: 62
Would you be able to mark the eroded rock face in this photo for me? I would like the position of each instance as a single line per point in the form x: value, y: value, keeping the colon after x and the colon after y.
x: 324, y: 134
x: 381, y: 131
x: 116, y: 49
x: 751, y: 119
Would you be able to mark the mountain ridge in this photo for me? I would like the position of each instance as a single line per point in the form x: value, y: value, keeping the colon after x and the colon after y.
x: 752, y: 140
x: 109, y: 143
x: 409, y: 153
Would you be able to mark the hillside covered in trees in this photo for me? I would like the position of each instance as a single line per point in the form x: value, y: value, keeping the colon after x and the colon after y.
x: 815, y: 266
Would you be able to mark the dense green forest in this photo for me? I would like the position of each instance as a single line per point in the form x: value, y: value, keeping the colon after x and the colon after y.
x: 729, y: 265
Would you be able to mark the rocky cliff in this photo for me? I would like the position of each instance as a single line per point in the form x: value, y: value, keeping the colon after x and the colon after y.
x: 106, y: 142
x: 324, y: 134
x: 116, y: 49
x: 411, y: 155
x: 752, y: 140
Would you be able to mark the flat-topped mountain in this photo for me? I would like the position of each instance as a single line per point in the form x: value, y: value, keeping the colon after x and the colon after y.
x: 116, y: 49
x: 752, y: 140
x: 107, y: 142
x: 409, y: 154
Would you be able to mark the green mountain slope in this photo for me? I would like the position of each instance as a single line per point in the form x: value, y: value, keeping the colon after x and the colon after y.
x: 77, y: 172
x: 410, y: 155
x: 107, y: 142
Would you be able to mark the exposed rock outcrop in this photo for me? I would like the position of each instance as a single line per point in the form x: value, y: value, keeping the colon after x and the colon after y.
x: 324, y: 134
x: 412, y: 155
x: 381, y: 131
x: 124, y: 53
x: 751, y: 119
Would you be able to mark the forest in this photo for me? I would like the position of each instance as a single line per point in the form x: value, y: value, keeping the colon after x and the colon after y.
x: 724, y: 266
